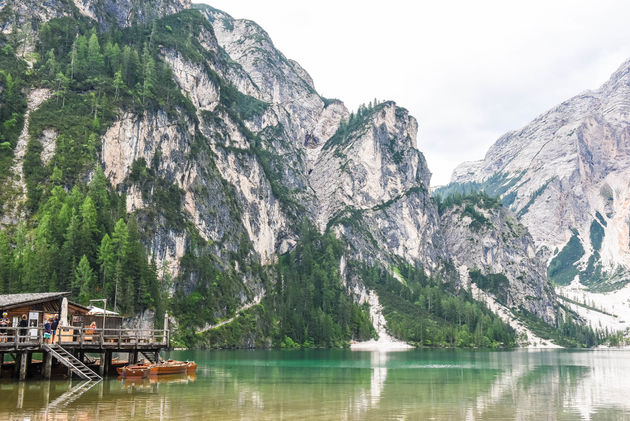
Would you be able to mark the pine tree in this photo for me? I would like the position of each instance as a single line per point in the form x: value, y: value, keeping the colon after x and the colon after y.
x: 107, y: 264
x: 51, y: 65
x: 63, y: 83
x: 118, y: 84
x: 112, y: 57
x: 83, y: 280
x: 120, y: 240
x: 71, y: 248
x: 98, y: 193
x: 148, y: 74
x: 89, y: 229
x: 81, y: 63
x: 95, y: 59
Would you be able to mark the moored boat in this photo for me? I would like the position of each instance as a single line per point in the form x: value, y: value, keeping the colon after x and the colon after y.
x: 139, y: 370
x: 168, y: 367
x: 191, y: 366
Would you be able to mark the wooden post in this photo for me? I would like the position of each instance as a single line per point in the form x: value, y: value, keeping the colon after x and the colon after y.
x: 47, y: 365
x: 1, y: 362
x: 23, y: 365
x: 108, y: 362
x: 157, y: 356
x: 16, y: 366
x: 101, y: 366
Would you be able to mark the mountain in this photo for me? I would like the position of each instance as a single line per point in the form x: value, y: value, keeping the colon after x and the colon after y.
x: 490, y: 248
x: 172, y: 159
x: 565, y: 175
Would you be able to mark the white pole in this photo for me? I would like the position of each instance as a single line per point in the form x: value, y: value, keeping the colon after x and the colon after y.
x: 166, y: 327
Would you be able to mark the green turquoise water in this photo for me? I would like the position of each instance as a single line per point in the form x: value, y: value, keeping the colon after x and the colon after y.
x: 347, y: 385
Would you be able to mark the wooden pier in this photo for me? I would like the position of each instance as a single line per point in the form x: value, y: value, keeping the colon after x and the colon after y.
x: 71, y: 347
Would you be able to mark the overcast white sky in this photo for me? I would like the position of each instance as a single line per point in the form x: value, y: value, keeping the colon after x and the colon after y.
x: 467, y: 70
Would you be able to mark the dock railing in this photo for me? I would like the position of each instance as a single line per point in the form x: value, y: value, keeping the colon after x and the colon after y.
x: 83, y: 337
x: 26, y: 337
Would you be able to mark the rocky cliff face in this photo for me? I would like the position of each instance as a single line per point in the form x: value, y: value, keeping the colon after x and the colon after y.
x: 490, y: 248
x: 124, y: 13
x: 372, y: 183
x: 566, y: 177
x: 20, y: 19
x: 369, y: 169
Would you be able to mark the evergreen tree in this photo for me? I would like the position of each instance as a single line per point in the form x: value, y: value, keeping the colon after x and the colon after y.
x: 63, y: 83
x: 118, y: 84
x: 81, y: 68
x: 95, y: 59
x: 71, y: 250
x: 112, y: 57
x: 84, y: 280
x: 51, y: 65
x: 148, y: 74
x: 120, y: 240
x: 89, y: 229
x: 98, y: 193
x: 107, y: 264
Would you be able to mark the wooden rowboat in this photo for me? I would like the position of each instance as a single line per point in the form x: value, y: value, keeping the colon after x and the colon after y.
x: 168, y: 367
x: 191, y: 367
x: 140, y: 370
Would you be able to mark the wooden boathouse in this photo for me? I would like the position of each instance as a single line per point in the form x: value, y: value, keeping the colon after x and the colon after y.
x: 76, y: 337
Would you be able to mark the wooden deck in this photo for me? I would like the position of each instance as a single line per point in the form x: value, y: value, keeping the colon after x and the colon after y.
x: 85, y: 339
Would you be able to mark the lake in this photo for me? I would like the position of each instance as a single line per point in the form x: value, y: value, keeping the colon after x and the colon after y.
x: 349, y: 385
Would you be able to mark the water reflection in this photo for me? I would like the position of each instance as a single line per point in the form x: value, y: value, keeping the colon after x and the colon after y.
x: 335, y: 385
x: 370, y: 397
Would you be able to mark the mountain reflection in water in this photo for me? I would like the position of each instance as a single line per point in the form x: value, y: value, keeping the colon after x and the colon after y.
x: 341, y: 384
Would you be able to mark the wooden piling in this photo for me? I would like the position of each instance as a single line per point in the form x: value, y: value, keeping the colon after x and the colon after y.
x: 47, y: 365
x: 133, y: 357
x: 23, y: 365
x: 29, y: 364
x: 102, y: 363
x: 16, y: 364
x: 108, y: 361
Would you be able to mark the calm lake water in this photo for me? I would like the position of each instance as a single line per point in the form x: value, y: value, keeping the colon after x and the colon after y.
x: 347, y: 385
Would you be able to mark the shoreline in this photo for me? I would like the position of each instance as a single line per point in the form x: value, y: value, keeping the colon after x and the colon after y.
x: 381, y: 346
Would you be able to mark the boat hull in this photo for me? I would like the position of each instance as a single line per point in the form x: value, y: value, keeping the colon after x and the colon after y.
x: 168, y: 368
x: 138, y: 371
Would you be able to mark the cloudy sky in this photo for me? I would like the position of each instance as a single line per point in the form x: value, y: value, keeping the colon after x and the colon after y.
x: 467, y: 70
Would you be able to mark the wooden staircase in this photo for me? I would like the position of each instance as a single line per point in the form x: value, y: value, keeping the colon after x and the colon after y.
x: 150, y: 357
x: 70, y: 361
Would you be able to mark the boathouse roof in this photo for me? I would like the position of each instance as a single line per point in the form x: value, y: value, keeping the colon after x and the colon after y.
x: 14, y: 300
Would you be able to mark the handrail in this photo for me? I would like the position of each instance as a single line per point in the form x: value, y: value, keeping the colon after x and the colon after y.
x: 78, y: 335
